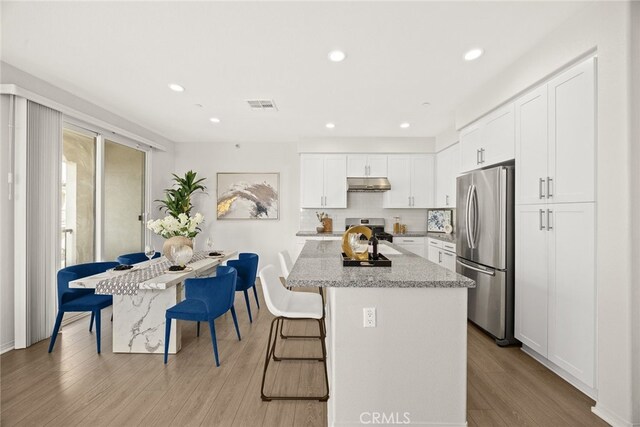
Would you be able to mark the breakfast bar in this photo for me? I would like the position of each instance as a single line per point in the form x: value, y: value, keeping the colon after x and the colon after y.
x: 396, y: 336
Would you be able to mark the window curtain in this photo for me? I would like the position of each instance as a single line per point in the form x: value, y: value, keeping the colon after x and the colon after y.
x: 37, y: 238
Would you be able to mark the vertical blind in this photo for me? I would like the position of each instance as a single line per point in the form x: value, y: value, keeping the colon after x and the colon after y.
x: 42, y: 239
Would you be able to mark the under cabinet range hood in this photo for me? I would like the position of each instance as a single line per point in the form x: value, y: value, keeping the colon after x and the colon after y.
x: 369, y: 185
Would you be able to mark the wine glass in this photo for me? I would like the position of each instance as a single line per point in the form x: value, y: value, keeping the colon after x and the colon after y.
x: 149, y: 251
x: 209, y: 243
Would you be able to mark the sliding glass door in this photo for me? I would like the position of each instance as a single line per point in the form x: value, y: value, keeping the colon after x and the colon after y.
x: 102, y: 197
x: 78, y: 196
x: 124, y: 171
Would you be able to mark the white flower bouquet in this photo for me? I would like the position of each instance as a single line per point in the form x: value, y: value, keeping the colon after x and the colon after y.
x: 183, y: 225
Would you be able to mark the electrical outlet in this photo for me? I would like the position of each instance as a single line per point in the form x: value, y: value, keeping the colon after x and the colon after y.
x: 369, y: 317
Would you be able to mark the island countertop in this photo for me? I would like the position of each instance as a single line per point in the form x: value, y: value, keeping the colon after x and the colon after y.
x: 320, y: 265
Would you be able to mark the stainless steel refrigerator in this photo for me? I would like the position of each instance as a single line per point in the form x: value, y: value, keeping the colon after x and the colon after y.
x: 485, y: 248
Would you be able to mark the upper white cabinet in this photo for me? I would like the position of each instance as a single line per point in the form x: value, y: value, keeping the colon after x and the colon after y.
x: 572, y: 148
x: 447, y: 170
x: 412, y: 181
x: 365, y: 165
x: 323, y: 181
x: 555, y: 139
x: 488, y: 141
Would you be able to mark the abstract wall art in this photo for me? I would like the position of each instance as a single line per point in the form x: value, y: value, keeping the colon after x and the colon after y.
x: 248, y: 195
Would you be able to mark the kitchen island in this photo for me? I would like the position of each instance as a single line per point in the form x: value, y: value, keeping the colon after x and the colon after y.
x: 410, y: 367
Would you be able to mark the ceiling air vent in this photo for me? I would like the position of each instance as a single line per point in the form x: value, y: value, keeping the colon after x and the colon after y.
x: 262, y: 104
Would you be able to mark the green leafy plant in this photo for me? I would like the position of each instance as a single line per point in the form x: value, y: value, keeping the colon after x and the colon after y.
x: 177, y: 199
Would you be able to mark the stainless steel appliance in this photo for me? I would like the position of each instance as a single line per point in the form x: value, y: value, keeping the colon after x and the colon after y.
x: 375, y: 224
x: 368, y: 185
x: 485, y: 248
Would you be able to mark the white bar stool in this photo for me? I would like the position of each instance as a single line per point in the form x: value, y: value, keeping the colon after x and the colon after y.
x: 285, y: 304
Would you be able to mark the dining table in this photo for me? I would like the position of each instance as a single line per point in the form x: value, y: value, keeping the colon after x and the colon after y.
x: 141, y: 296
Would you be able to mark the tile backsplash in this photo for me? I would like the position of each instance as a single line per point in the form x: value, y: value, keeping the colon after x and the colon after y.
x: 366, y: 205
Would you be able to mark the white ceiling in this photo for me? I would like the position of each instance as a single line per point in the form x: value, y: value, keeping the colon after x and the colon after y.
x: 122, y: 55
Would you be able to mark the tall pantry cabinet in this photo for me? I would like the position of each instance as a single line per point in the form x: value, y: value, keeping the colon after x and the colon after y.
x: 555, y: 286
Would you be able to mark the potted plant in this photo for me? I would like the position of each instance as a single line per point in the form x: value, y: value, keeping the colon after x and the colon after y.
x: 178, y: 226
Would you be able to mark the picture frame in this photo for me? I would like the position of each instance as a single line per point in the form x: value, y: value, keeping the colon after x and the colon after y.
x: 248, y: 195
x: 437, y: 219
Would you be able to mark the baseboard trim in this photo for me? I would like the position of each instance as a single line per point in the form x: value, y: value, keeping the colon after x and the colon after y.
x: 6, y: 347
x: 611, y: 418
x: 591, y: 392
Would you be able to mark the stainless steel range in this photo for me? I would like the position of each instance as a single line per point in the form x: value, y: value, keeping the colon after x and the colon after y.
x: 375, y: 224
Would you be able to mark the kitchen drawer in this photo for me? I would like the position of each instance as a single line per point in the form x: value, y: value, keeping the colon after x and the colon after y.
x: 408, y: 240
x: 449, y: 246
x: 434, y: 243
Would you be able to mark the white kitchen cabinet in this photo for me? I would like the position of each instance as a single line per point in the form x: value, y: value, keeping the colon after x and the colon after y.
x: 412, y: 181
x: 498, y: 136
x: 531, y: 284
x: 531, y: 146
x: 470, y: 144
x: 490, y: 140
x: 555, y: 139
x: 572, y: 289
x: 367, y: 165
x: 412, y: 244
x: 323, y: 181
x: 555, y: 284
x: 572, y: 166
x: 442, y: 253
x: 447, y: 170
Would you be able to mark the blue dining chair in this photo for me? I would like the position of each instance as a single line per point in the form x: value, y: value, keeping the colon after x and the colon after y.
x: 135, y: 258
x: 206, y: 299
x: 247, y: 266
x: 79, y: 300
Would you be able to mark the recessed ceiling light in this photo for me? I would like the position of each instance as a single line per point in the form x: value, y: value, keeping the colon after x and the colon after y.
x: 330, y: 125
x: 473, y: 54
x: 176, y: 87
x: 198, y: 105
x: 404, y: 125
x: 426, y: 104
x: 337, y: 56
x: 214, y: 120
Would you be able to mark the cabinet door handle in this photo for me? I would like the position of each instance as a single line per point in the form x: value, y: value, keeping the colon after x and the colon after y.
x: 549, y: 215
x: 541, y: 188
x: 446, y: 199
x: 549, y: 188
x: 409, y: 200
x: 449, y: 254
x: 413, y: 201
x: 542, y: 227
x: 478, y: 156
x: 482, y: 155
x: 439, y: 256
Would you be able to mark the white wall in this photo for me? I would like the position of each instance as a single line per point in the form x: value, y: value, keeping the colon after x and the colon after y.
x: 447, y: 138
x: 6, y: 243
x: 605, y: 26
x: 264, y: 237
x: 635, y: 195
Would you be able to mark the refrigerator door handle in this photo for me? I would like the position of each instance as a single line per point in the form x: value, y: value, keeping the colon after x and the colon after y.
x: 541, y: 188
x: 466, y: 217
x: 473, y: 226
x: 465, y: 265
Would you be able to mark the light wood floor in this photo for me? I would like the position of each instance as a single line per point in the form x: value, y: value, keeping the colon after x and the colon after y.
x: 75, y: 386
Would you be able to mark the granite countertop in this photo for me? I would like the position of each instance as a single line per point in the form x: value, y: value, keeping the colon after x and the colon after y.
x: 320, y: 265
